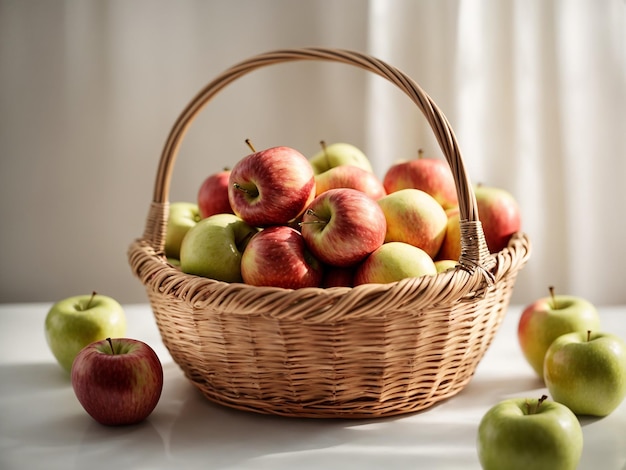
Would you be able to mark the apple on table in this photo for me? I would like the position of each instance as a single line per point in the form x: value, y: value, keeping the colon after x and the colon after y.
x: 522, y: 433
x: 74, y: 322
x: 586, y: 371
x: 118, y: 381
x: 546, y: 319
x: 271, y: 187
x: 214, y: 247
x: 342, y: 226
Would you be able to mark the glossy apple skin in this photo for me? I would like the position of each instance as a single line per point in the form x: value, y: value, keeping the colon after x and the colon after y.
x: 499, y: 215
x: 337, y: 154
x: 451, y: 244
x: 342, y: 226
x: 73, y: 323
x: 540, y: 324
x: 271, y: 187
x: 587, y: 372
x: 414, y: 217
x: 121, y: 388
x: 348, y: 176
x: 278, y: 257
x: 213, y: 195
x: 182, y: 216
x: 394, y: 261
x: 431, y: 175
x: 511, y: 438
x: 214, y: 247
x: 335, y: 276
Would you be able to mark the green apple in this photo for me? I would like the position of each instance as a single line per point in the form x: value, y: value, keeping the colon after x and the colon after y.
x: 413, y: 216
x: 182, y: 216
x: 442, y: 265
x: 73, y: 323
x: 546, y: 319
x: 521, y: 433
x: 214, y: 246
x: 394, y: 261
x: 339, y: 153
x: 587, y: 372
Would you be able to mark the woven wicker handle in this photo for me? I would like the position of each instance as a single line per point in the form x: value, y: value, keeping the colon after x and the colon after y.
x: 474, y: 249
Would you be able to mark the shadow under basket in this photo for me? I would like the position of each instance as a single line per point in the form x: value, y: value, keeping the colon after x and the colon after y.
x: 369, y: 351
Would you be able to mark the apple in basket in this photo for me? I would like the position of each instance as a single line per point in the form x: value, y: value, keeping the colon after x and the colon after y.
x: 586, y: 371
x: 342, y: 226
x: 74, y: 322
x: 214, y: 247
x: 499, y: 214
x: 277, y: 256
x: 414, y: 217
x: 117, y: 381
x: 349, y: 176
x: 271, y: 187
x: 182, y: 216
x: 451, y: 244
x: 431, y: 175
x: 394, y: 261
x: 213, y: 194
x: 547, y: 318
x: 336, y: 154
x: 521, y: 433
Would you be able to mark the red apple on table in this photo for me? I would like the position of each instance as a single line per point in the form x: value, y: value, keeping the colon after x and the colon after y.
x: 342, y: 226
x: 349, y: 176
x: 277, y: 256
x: 547, y: 318
x: 586, y: 371
x: 499, y: 214
x: 431, y: 175
x: 117, y: 380
x: 271, y: 187
x: 213, y: 194
x: 414, y: 217
x: 394, y: 261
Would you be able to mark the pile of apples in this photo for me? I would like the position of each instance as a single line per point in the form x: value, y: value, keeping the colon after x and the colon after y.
x: 280, y: 219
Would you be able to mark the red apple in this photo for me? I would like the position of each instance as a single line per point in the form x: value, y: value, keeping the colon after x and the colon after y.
x: 271, y: 187
x: 414, y: 217
x: 334, y: 276
x: 431, y: 175
x: 349, y: 176
x: 277, y: 256
x: 499, y: 214
x: 342, y: 226
x: 213, y: 195
x: 118, y: 381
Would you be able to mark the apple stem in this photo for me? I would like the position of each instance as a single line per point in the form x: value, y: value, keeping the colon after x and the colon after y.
x: 111, y: 344
x: 323, y: 145
x: 420, y: 153
x: 93, y: 294
x: 238, y: 187
x: 554, y: 304
x: 588, y: 335
x: 533, y: 409
x: 249, y: 144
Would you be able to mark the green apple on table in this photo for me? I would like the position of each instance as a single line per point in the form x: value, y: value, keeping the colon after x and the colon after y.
x: 336, y: 154
x: 214, y: 246
x: 182, y: 216
x: 73, y: 323
x: 586, y: 371
x: 522, y: 434
x: 546, y: 319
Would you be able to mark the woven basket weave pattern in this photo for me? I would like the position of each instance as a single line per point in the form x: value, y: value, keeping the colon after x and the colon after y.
x: 373, y: 350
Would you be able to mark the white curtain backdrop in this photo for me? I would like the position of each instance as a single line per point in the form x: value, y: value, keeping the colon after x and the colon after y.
x: 534, y: 89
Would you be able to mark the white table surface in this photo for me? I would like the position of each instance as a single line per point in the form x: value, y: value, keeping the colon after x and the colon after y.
x: 42, y: 425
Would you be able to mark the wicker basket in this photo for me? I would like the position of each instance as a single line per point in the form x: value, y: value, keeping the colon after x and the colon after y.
x: 369, y: 351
